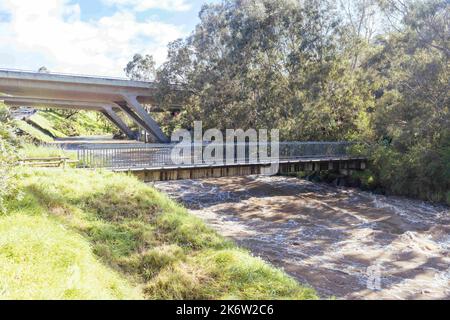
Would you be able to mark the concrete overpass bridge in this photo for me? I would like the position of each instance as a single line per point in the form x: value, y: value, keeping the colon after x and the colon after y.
x: 102, y: 94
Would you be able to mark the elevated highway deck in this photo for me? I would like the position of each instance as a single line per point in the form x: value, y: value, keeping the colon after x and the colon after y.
x: 104, y: 94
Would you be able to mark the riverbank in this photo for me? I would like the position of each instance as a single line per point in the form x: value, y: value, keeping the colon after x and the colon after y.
x: 82, y: 234
x: 364, y: 180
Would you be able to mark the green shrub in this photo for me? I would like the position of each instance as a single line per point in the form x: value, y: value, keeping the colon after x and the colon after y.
x: 367, y: 178
x: 7, y: 163
x: 423, y: 171
x: 7, y: 158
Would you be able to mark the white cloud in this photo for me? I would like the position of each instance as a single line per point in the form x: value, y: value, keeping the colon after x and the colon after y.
x: 142, y: 5
x: 50, y: 33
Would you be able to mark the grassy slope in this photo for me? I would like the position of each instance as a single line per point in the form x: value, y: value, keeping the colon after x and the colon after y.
x: 81, y: 124
x: 115, y: 231
x: 45, y: 124
x: 32, y: 132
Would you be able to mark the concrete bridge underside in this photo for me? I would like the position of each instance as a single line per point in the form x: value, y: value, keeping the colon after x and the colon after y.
x: 104, y: 95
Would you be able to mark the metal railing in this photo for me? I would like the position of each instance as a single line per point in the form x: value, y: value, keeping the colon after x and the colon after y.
x: 160, y: 155
x: 105, y: 77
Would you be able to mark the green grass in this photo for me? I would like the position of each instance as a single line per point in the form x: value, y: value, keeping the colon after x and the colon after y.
x: 29, y: 150
x: 41, y: 259
x: 81, y: 124
x: 45, y: 124
x: 32, y: 132
x: 123, y: 236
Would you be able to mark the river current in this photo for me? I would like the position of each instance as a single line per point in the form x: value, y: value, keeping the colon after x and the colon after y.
x: 343, y: 242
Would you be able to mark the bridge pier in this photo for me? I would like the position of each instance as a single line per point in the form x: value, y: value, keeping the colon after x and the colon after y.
x: 148, y: 122
x: 109, y: 113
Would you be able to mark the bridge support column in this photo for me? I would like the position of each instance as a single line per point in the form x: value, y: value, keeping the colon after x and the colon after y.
x: 132, y: 116
x: 116, y: 120
x: 150, y: 125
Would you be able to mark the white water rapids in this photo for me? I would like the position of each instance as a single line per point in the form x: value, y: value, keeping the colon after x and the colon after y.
x: 329, y: 238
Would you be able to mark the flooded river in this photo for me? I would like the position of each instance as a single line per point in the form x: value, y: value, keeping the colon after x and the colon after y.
x: 343, y: 242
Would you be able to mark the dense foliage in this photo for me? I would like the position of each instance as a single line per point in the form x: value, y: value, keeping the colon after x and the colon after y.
x: 411, y: 120
x: 374, y: 71
x: 7, y: 156
x: 268, y: 64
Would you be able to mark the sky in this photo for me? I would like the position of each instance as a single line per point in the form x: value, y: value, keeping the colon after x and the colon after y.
x: 94, y: 37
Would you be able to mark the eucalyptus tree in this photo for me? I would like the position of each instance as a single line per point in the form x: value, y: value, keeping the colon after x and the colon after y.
x: 375, y: 71
x: 412, y: 115
x: 266, y: 64
x: 141, y: 68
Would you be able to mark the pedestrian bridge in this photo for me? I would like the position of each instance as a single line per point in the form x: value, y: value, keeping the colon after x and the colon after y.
x: 154, y: 162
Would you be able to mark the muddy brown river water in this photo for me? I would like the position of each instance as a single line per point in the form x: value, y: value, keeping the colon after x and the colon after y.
x: 343, y: 242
